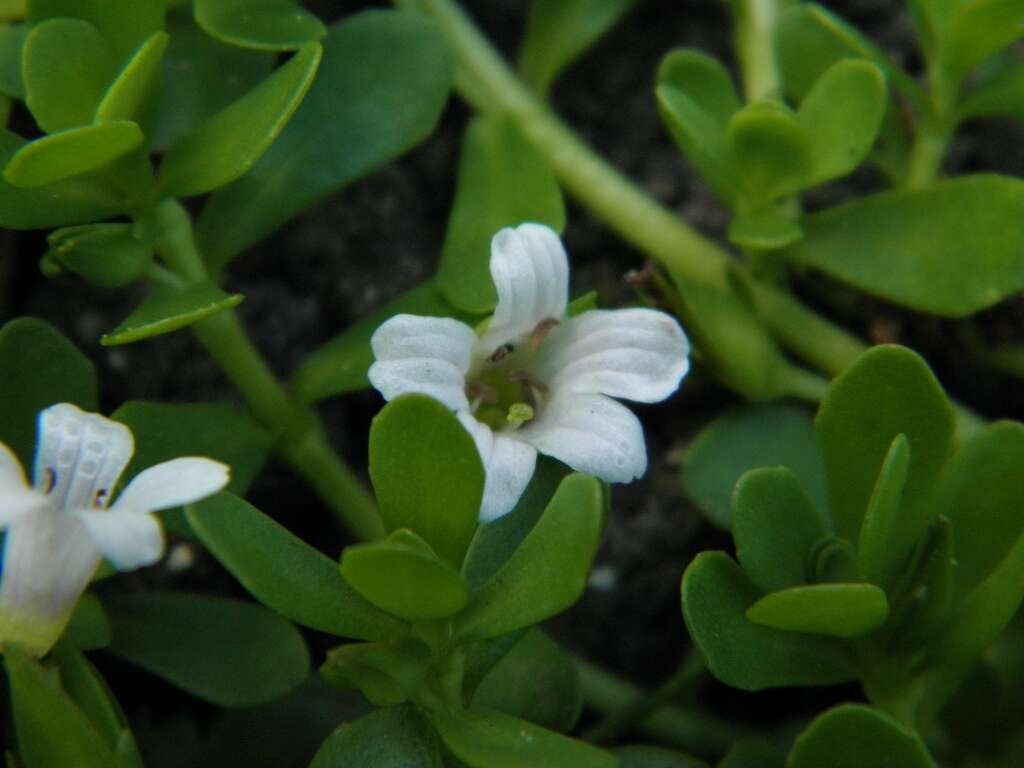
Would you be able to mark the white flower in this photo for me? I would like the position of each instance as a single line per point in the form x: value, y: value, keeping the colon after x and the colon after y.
x: 58, y: 529
x: 534, y: 379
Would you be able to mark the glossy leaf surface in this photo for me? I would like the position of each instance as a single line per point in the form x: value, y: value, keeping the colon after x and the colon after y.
x: 836, y: 610
x: 397, y: 737
x: 270, y: 25
x: 164, y: 311
x: 855, y: 736
x: 71, y: 152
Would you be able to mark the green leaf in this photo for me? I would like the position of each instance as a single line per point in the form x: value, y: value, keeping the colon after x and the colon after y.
x: 209, y: 646
x: 644, y: 756
x: 981, y: 495
x: 397, y: 737
x: 107, y: 255
x: 775, y: 525
x: 39, y: 367
x: 76, y: 200
x: 884, y: 543
x: 41, y: 709
x: 842, y: 113
x: 165, y: 431
x: 856, y: 736
x: 496, y: 541
x: 71, y: 152
x: 771, y: 148
x: 977, y: 29
x: 66, y: 67
x: 696, y: 100
x: 548, y: 572
x: 773, y: 434
x: 1001, y: 94
x: 123, y: 23
x: 536, y: 681
x: 837, y: 610
x: 833, y: 559
x: 167, y: 310
x: 89, y: 628
x: 486, y: 739
x: 284, y: 572
x: 753, y: 753
x: 716, y: 595
x: 229, y: 143
x: 503, y: 181
x: 887, y: 391
x: 404, y: 576
x: 949, y: 250
x: 427, y: 473
x: 387, y: 674
x: 133, y: 93
x: 559, y: 31
x: 267, y: 25
x: 193, y: 86
x: 339, y: 365
x: 12, y: 43
x: 90, y: 693
x: 764, y: 231
x: 383, y: 82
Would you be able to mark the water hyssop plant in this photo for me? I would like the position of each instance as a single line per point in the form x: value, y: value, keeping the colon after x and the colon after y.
x: 742, y: 488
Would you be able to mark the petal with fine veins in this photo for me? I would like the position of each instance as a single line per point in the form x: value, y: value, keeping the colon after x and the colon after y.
x: 531, y: 274
x: 126, y: 538
x: 172, y: 484
x: 637, y: 354
x: 592, y: 434
x: 428, y: 355
x: 508, y: 464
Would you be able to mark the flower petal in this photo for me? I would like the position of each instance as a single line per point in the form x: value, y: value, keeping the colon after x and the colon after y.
x: 637, y: 354
x: 508, y: 463
x: 429, y: 355
x: 173, y: 483
x: 531, y: 274
x: 128, y: 539
x: 17, y: 497
x: 80, y: 456
x: 592, y: 434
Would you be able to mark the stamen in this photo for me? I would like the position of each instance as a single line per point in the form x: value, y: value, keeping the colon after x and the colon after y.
x: 519, y: 414
x: 501, y: 353
x: 538, y: 334
x: 51, y: 479
x: 100, y: 497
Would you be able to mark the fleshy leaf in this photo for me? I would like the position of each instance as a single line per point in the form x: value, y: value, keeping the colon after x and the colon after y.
x: 268, y: 25
x: 856, y: 736
x: 90, y: 693
x: 503, y: 181
x: 837, y: 610
x: 71, y: 152
x: 764, y: 231
x: 399, y: 737
x: 123, y: 23
x: 12, y: 41
x: 231, y: 141
x: 164, y: 311
x: 133, y: 92
x: 107, y: 255
x: 978, y: 29
x: 89, y: 628
x: 716, y: 595
x: 386, y: 673
x: 157, y: 631
x: 771, y: 149
x: 427, y: 473
x: 284, y: 572
x: 883, y: 544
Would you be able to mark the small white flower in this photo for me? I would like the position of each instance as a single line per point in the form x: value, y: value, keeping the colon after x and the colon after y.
x: 534, y: 379
x: 58, y: 529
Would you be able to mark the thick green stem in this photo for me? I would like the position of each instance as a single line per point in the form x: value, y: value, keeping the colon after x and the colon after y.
x: 753, y: 41
x: 299, y: 437
x: 926, y: 154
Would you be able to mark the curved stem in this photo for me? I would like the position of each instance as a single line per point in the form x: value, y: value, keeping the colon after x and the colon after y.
x: 299, y: 437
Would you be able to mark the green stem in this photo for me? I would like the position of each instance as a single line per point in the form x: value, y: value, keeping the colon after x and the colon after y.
x: 684, y: 729
x: 299, y: 437
x: 926, y: 154
x: 753, y: 41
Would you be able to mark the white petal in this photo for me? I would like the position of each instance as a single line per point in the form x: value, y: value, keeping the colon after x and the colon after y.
x: 173, y: 483
x: 531, y: 274
x: 80, y: 456
x: 429, y: 355
x: 17, y: 498
x: 638, y: 354
x: 11, y: 473
x: 509, y: 464
x: 128, y: 539
x: 592, y: 434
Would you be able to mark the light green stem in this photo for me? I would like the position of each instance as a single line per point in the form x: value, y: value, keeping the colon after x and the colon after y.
x: 753, y: 41
x: 299, y: 436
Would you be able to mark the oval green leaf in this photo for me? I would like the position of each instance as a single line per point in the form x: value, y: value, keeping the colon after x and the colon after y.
x: 123, y: 23
x: 164, y: 311
x: 284, y: 572
x: 344, y: 128
x: 66, y: 67
x: 107, y: 255
x: 158, y: 632
x: 765, y: 231
x: 12, y: 42
x: 716, y: 594
x: 775, y: 525
x: 884, y: 543
x: 266, y: 25
x: 503, y: 181
x: 403, y: 576
x: 548, y: 572
x: 229, y: 143
x: 90, y: 693
x: 400, y: 738
x: 856, y: 736
x: 427, y: 473
x: 386, y: 673
x: 134, y: 90
x: 71, y: 152
x: 837, y: 610
x: 771, y: 149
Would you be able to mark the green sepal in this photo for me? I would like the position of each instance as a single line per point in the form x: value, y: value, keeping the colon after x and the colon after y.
x: 856, y: 736
x: 716, y: 594
x: 427, y: 473
x: 775, y: 525
x: 404, y: 576
x: 71, y: 152
x: 386, y: 673
x: 269, y: 25
x: 107, y: 255
x: 836, y: 610
x: 167, y: 310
